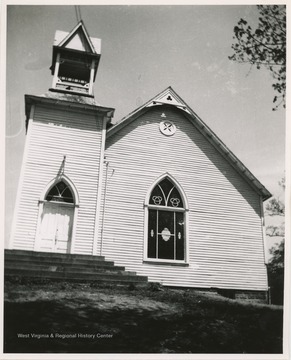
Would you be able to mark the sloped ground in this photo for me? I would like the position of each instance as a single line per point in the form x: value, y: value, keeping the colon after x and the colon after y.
x: 75, y: 318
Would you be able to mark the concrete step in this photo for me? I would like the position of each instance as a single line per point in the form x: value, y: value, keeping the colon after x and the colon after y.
x: 67, y: 268
x: 93, y: 283
x: 51, y: 255
x: 73, y: 275
x: 21, y: 264
x: 58, y: 261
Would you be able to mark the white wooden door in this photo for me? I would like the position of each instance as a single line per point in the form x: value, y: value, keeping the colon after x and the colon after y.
x: 56, y: 228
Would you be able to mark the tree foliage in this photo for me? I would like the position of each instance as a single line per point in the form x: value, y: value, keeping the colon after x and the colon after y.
x: 276, y: 273
x: 277, y: 259
x: 276, y: 264
x: 265, y: 46
x: 275, y: 207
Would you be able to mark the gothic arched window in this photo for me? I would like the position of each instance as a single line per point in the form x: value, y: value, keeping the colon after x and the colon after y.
x: 166, y: 222
x: 60, y: 192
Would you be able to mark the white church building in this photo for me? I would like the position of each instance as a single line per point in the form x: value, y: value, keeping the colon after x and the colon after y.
x: 158, y: 192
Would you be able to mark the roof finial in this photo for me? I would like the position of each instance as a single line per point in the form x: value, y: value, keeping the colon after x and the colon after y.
x: 78, y: 13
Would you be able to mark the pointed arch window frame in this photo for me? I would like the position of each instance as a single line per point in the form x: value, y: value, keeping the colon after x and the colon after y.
x: 184, y: 209
x: 42, y: 201
x: 54, y: 182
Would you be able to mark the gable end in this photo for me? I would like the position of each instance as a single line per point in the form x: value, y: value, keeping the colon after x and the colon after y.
x: 171, y: 98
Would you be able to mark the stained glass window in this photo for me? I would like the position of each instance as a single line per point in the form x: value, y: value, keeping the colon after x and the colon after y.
x: 165, y: 193
x: 166, y: 226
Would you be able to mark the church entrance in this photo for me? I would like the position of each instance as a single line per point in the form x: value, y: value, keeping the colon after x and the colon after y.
x: 56, y: 228
x: 56, y: 222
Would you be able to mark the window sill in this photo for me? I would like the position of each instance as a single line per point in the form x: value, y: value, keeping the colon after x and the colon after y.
x: 165, y: 262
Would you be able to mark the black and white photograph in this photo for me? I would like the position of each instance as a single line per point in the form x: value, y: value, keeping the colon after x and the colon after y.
x: 146, y: 175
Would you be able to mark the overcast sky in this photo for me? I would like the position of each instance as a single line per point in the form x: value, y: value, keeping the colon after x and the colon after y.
x: 144, y: 50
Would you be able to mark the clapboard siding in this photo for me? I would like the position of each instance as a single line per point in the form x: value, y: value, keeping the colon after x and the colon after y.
x: 225, y: 245
x: 54, y: 133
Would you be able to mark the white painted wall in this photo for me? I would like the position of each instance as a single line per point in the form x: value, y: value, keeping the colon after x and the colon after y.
x: 55, y: 132
x: 225, y: 233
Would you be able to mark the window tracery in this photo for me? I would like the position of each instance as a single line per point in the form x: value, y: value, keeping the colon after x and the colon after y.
x: 166, y: 222
x: 60, y: 192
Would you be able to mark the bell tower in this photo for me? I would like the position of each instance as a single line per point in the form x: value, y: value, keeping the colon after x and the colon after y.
x: 75, y: 61
x: 59, y: 194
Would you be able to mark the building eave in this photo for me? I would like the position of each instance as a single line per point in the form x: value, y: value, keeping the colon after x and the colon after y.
x: 202, y: 128
x: 30, y: 100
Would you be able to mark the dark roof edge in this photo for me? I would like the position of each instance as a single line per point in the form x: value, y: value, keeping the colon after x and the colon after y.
x: 32, y: 99
x: 228, y: 154
x: 209, y: 135
x: 41, y: 99
x: 128, y: 118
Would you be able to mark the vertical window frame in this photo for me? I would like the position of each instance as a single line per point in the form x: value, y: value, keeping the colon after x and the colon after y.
x: 184, y: 210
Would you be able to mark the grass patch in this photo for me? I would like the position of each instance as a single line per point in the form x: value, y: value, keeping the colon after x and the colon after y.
x: 120, y: 320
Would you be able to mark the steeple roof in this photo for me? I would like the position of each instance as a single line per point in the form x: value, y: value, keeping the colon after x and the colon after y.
x: 78, y: 39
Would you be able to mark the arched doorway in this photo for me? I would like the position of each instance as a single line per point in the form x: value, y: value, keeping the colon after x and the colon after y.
x: 57, y: 219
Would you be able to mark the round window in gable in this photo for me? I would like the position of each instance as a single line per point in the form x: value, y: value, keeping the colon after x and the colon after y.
x: 167, y: 128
